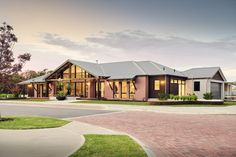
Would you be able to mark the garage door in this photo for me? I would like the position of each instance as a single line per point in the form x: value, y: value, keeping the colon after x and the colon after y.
x: 216, y: 90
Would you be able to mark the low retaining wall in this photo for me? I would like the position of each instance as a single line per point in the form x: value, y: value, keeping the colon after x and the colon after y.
x: 186, y: 102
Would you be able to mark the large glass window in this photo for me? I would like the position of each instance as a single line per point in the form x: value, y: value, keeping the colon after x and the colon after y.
x: 116, y: 89
x: 157, y: 85
x: 80, y: 73
x: 66, y: 74
x: 80, y: 88
x: 131, y: 90
x: 73, y: 68
x: 123, y: 89
x: 102, y: 90
x: 72, y: 92
x: 181, y: 85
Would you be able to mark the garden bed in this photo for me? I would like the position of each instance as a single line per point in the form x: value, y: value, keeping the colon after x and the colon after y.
x: 4, y: 98
x: 173, y: 102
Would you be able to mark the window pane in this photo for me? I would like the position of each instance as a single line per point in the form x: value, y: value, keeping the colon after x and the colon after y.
x: 124, y: 89
x: 183, y: 89
x: 66, y: 74
x: 115, y: 89
x: 157, y: 85
x: 102, y: 90
x: 197, y: 86
x: 73, y: 71
x: 72, y: 93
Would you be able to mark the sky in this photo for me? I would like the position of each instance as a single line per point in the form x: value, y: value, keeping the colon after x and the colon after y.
x: 181, y: 34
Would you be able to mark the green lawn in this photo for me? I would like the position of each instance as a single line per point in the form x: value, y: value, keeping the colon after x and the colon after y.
x: 227, y: 103
x: 109, y: 145
x: 112, y: 102
x: 30, y: 122
x: 33, y: 100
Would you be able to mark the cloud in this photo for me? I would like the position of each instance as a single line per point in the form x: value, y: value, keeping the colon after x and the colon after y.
x: 57, y: 40
x: 140, y: 40
x: 178, y: 52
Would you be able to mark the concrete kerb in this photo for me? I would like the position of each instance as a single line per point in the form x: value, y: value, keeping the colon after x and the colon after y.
x: 102, y: 114
x: 146, y: 148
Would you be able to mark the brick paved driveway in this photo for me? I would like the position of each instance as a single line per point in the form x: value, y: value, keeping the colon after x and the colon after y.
x: 174, y: 134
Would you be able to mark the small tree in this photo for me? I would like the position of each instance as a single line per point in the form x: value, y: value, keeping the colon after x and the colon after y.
x: 8, y: 67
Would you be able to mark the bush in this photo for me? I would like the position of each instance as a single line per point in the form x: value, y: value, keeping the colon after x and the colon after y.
x: 184, y: 98
x: 190, y: 97
x: 163, y: 96
x: 3, y: 95
x: 171, y: 96
x: 176, y: 97
x: 60, y: 94
x: 193, y: 97
x: 208, y: 96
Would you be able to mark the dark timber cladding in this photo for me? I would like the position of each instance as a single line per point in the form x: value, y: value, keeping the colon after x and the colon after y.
x: 164, y: 84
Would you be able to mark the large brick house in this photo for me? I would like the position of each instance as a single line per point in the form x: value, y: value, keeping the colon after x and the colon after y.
x: 128, y: 80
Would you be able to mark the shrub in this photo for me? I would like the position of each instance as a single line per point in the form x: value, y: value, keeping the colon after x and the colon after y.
x: 171, y: 96
x: 208, y: 96
x: 193, y: 97
x: 3, y: 95
x: 60, y: 94
x: 163, y: 96
x: 184, y: 98
x: 189, y: 97
x: 176, y: 97
x: 59, y: 85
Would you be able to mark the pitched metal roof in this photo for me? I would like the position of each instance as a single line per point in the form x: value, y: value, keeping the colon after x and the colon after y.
x: 152, y: 68
x: 39, y: 79
x: 92, y: 68
x: 204, y: 72
x: 131, y: 69
x: 122, y: 70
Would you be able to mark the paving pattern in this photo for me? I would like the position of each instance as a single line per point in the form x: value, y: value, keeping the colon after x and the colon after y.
x: 176, y: 135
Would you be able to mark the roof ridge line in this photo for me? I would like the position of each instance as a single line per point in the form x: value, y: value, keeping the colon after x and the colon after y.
x: 139, y: 67
x: 157, y: 67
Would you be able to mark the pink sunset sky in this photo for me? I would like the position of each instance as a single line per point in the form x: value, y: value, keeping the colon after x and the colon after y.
x: 180, y: 34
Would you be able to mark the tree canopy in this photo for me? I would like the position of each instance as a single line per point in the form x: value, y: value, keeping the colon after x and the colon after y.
x: 9, y: 67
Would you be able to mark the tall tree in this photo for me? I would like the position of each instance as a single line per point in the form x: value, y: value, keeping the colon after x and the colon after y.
x: 9, y: 68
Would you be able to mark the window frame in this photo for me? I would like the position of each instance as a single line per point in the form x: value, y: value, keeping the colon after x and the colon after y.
x: 196, y: 86
x: 157, y: 85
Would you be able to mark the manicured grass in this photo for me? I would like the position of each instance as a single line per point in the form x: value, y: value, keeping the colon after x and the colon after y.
x: 33, y: 100
x: 230, y: 103
x: 109, y: 145
x: 112, y: 102
x: 227, y: 103
x: 30, y: 122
